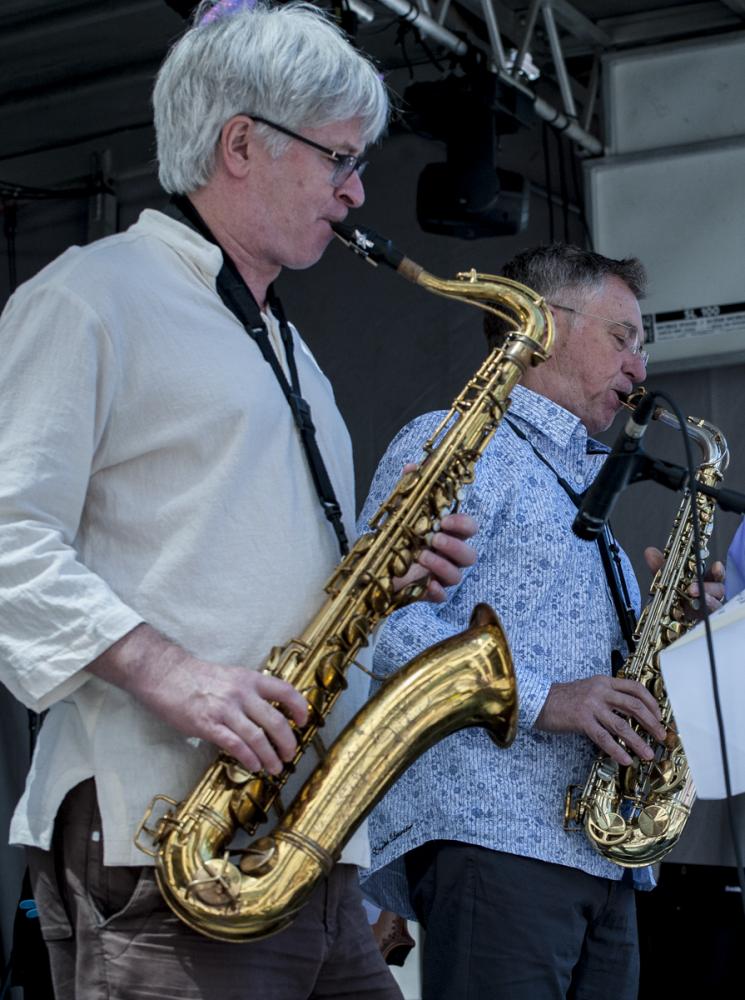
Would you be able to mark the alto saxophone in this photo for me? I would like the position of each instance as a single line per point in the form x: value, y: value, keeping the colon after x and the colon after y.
x: 634, y: 814
x: 467, y: 680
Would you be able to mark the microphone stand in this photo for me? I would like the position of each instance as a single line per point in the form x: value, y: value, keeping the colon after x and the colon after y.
x: 676, y: 477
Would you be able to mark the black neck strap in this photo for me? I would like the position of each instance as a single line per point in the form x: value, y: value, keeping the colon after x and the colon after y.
x: 237, y: 296
x: 610, y: 554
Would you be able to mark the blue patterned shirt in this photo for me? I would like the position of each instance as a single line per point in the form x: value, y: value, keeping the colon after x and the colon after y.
x: 551, y: 593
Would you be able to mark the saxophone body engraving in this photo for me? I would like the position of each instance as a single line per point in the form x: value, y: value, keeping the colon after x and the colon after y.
x: 634, y: 815
x: 466, y: 681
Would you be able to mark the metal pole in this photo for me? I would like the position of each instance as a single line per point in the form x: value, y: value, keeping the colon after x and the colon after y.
x: 494, y: 37
x: 529, y: 29
x: 410, y: 12
x: 592, y: 91
x: 561, y: 70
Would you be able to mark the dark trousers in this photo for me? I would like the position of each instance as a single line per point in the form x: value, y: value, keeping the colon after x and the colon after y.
x: 503, y: 927
x: 110, y: 936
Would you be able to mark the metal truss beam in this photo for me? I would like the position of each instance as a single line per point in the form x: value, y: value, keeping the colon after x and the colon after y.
x: 565, y: 121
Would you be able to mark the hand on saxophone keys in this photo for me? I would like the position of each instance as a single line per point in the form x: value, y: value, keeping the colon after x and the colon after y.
x: 600, y: 707
x: 443, y: 562
x: 713, y: 584
x: 446, y: 557
x: 229, y: 706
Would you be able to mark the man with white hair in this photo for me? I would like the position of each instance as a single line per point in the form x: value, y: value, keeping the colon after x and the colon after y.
x: 160, y: 523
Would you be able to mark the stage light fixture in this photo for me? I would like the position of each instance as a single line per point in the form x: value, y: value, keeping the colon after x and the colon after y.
x: 469, y: 196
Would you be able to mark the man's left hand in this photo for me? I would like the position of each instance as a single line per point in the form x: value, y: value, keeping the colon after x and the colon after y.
x: 447, y: 556
x: 713, y: 585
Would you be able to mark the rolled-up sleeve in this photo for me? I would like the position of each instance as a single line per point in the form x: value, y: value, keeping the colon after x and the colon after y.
x: 59, y: 377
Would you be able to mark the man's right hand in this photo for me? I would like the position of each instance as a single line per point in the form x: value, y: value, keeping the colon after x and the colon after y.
x: 228, y: 706
x: 599, y: 707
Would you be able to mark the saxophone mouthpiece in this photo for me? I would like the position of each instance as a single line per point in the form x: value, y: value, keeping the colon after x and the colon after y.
x: 375, y: 249
x: 634, y: 398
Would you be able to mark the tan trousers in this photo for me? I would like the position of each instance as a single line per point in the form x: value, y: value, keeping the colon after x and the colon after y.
x: 111, y: 937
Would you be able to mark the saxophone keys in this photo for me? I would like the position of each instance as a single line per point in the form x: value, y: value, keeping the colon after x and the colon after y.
x: 408, y: 481
x: 670, y: 775
x: 421, y: 526
x: 572, y: 806
x: 330, y: 673
x: 672, y: 739
x: 315, y: 698
x: 674, y: 630
x: 251, y: 803
x: 216, y: 883
x: 378, y: 597
x: 236, y: 773
x: 355, y: 634
x: 442, y: 498
x: 654, y: 821
x: 607, y: 828
x: 256, y: 859
x: 401, y: 561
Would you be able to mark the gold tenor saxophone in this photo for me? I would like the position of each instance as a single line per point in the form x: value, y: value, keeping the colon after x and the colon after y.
x: 467, y: 680
x: 634, y: 814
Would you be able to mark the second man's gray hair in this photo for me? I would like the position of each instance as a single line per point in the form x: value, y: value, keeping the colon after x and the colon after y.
x: 567, y: 270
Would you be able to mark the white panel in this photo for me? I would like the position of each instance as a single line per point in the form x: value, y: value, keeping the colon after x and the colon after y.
x: 682, y: 212
x: 675, y: 94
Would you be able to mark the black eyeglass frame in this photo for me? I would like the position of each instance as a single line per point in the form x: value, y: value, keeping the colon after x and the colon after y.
x: 345, y: 163
x: 630, y: 330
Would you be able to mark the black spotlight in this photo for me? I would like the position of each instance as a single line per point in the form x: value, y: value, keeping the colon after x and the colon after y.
x: 469, y: 195
x: 480, y: 201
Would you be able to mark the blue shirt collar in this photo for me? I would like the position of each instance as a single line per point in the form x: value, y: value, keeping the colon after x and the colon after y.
x: 546, y: 418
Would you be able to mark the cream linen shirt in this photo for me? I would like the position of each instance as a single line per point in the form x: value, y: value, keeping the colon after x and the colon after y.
x: 150, y: 471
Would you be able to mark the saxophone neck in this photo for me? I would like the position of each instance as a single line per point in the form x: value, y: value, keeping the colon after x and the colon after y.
x: 518, y: 305
x: 709, y: 439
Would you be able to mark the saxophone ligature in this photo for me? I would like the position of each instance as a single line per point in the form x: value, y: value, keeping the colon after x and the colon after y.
x: 467, y: 680
x: 634, y: 814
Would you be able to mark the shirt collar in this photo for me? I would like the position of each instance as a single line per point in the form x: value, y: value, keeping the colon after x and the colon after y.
x: 204, y: 257
x: 547, y: 418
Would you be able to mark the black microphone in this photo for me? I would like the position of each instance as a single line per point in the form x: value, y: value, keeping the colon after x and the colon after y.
x: 615, y: 474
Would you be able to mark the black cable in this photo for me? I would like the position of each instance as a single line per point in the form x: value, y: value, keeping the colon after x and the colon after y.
x: 378, y: 28
x: 403, y: 30
x: 77, y: 140
x: 22, y: 192
x: 709, y: 642
x: 428, y: 51
x: 563, y: 186
x: 579, y: 194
